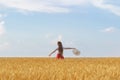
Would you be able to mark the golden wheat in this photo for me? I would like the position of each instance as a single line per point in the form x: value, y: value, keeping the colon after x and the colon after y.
x: 54, y: 69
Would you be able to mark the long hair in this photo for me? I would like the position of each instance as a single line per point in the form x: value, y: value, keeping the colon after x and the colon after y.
x: 60, y: 47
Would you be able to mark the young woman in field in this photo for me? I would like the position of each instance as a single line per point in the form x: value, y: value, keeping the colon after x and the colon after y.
x: 60, y: 51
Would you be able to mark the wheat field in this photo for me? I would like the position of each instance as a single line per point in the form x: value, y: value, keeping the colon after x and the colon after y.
x: 54, y: 69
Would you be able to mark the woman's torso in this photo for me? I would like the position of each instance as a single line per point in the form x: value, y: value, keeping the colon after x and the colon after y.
x: 60, y: 50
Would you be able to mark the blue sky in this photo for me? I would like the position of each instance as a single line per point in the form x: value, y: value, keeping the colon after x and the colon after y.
x: 32, y: 27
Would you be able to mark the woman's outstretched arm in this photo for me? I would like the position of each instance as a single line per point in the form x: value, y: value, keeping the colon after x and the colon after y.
x: 69, y: 48
x: 52, y: 52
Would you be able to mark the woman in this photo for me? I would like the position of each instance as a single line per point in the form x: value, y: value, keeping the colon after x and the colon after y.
x: 60, y: 51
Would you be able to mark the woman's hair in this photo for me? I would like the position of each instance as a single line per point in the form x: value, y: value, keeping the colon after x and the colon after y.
x: 60, y: 47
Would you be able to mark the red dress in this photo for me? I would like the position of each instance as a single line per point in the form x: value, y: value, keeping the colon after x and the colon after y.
x: 59, y: 56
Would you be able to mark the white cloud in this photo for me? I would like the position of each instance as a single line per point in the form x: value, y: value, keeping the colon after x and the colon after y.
x: 59, y: 37
x: 37, y: 6
x: 69, y: 2
x: 50, y: 6
x: 109, y: 29
x: 110, y: 7
x: 57, y: 6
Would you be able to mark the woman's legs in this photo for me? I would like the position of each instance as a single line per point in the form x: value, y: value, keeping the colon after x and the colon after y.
x: 59, y: 56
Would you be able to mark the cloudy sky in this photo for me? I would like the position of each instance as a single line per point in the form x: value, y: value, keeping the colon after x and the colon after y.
x: 32, y: 27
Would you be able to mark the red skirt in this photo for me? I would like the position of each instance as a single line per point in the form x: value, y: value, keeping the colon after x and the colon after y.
x: 59, y: 56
